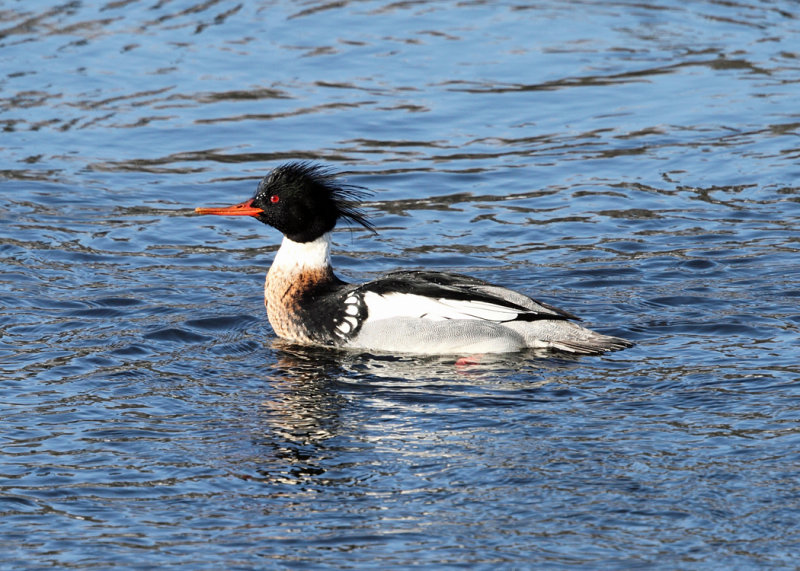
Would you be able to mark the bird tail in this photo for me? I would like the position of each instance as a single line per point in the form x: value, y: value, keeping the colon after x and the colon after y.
x: 595, y: 344
x: 568, y: 337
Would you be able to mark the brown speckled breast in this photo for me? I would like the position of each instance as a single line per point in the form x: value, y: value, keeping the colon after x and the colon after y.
x: 283, y: 293
x: 313, y: 306
x: 289, y: 297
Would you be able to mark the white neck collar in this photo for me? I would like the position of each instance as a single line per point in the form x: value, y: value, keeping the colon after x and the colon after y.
x: 304, y: 255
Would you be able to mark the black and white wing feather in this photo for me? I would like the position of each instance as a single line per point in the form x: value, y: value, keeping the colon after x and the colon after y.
x: 438, y: 296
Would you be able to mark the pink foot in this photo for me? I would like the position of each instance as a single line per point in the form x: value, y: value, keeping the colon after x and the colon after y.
x: 467, y: 361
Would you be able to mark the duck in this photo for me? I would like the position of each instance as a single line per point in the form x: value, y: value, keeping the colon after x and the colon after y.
x: 422, y: 311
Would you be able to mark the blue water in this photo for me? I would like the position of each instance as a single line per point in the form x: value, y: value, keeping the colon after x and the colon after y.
x: 634, y: 163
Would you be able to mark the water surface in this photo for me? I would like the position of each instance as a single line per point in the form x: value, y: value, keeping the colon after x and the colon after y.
x: 634, y: 164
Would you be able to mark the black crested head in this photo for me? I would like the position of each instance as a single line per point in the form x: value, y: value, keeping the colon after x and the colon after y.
x: 305, y: 200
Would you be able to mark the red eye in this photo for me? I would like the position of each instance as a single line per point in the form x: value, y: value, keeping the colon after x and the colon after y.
x: 274, y: 198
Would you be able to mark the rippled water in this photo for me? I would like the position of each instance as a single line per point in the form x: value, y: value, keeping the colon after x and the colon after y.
x: 636, y: 164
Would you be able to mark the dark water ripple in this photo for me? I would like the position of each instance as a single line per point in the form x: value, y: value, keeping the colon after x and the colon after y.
x: 634, y: 163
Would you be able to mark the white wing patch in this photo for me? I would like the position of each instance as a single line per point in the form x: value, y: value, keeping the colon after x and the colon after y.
x: 410, y: 305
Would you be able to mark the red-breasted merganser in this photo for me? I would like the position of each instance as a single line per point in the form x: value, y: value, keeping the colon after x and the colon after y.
x: 405, y: 311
